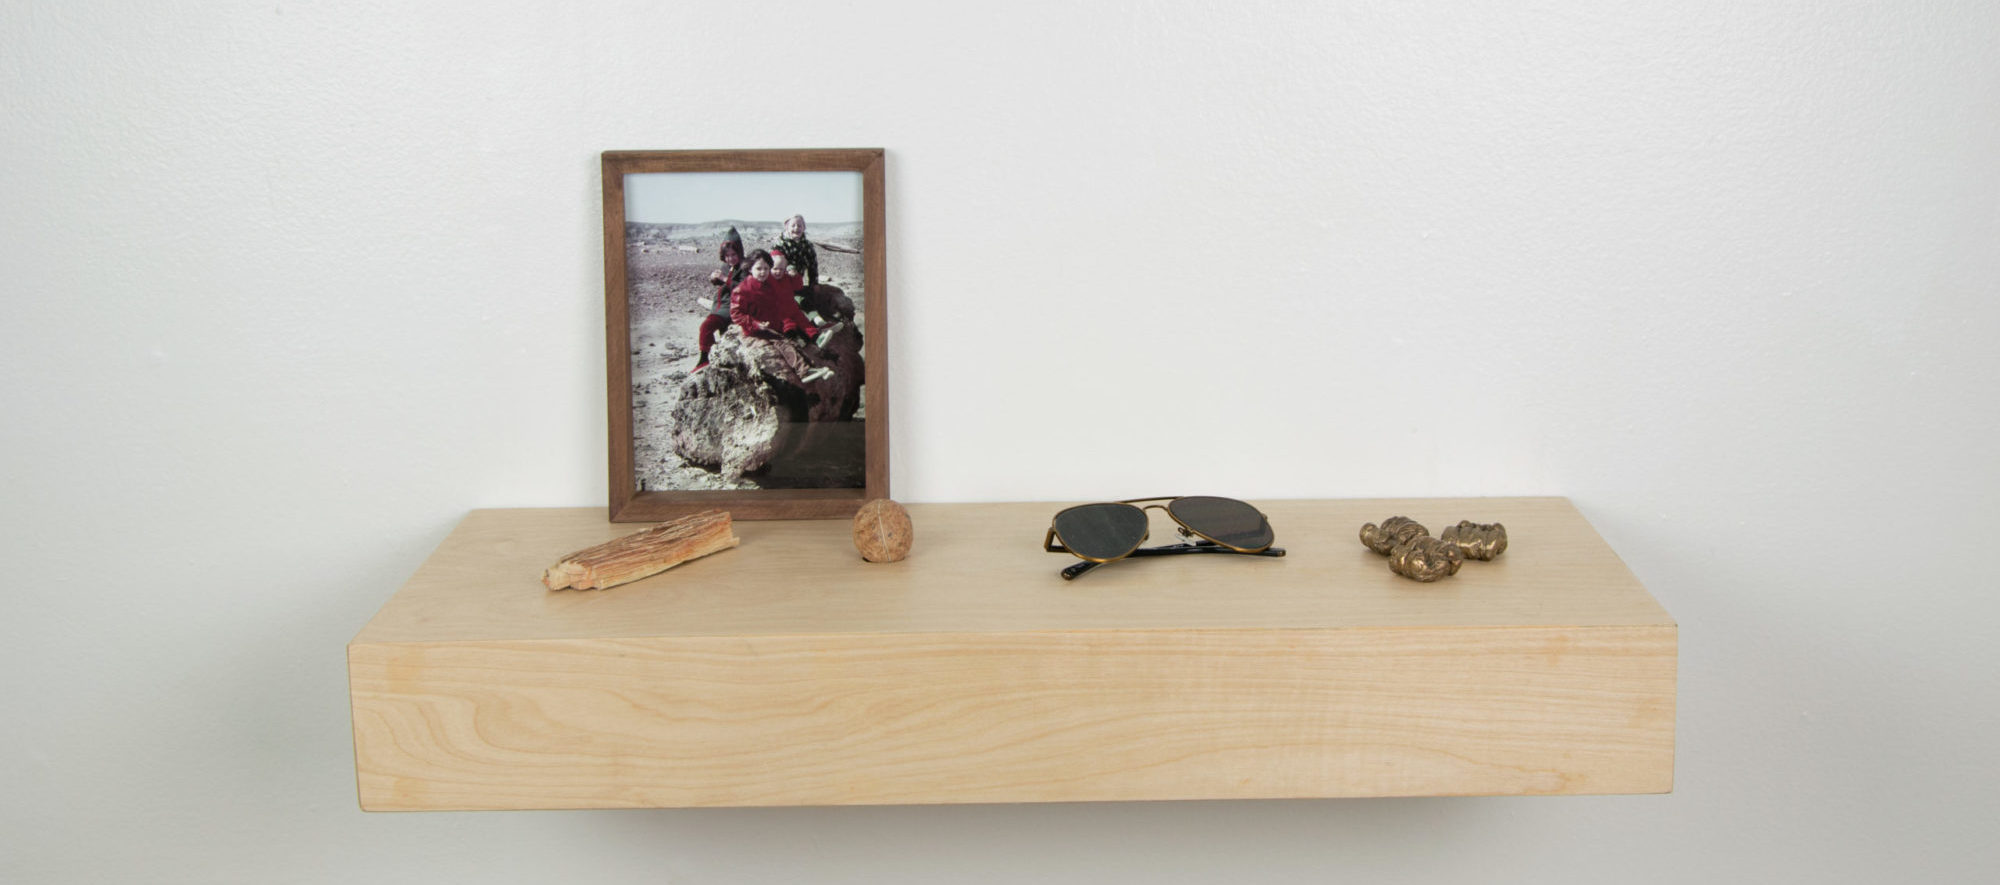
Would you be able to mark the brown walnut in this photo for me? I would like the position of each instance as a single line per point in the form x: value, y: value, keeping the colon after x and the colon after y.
x: 882, y: 531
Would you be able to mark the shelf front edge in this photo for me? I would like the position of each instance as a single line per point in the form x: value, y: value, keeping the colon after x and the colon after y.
x: 1052, y: 716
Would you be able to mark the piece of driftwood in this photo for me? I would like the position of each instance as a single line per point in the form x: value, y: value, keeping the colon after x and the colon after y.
x: 882, y: 531
x: 1394, y: 532
x: 1481, y: 541
x: 643, y: 553
x: 1426, y: 559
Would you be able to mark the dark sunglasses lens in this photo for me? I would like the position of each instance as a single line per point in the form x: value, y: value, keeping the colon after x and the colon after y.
x: 1226, y: 521
x: 1101, y: 531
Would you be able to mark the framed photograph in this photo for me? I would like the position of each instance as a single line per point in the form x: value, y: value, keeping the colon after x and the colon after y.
x: 746, y: 312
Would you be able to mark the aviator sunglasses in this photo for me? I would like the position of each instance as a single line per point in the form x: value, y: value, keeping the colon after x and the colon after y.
x: 1113, y: 530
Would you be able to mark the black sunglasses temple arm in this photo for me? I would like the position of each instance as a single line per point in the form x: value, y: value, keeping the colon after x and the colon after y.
x: 1070, y: 573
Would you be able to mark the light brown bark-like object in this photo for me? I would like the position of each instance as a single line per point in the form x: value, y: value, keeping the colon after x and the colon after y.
x: 641, y: 554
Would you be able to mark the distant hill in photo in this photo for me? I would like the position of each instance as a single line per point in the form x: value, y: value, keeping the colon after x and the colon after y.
x: 754, y: 233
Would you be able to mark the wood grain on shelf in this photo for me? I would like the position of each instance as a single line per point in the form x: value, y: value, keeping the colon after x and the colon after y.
x: 789, y: 671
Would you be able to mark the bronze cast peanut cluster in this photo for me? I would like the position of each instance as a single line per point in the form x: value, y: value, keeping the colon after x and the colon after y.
x: 1414, y: 554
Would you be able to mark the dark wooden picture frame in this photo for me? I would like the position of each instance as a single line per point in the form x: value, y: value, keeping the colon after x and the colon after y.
x: 632, y: 503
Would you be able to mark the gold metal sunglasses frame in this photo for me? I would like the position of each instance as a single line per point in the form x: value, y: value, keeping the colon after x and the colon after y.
x: 1205, y: 545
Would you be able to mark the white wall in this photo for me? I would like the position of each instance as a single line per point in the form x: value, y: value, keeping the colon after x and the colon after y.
x: 290, y: 286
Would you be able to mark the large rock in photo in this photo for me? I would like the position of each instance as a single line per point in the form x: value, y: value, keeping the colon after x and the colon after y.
x: 762, y: 402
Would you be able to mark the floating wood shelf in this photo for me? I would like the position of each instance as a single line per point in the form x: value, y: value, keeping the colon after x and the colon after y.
x: 790, y: 672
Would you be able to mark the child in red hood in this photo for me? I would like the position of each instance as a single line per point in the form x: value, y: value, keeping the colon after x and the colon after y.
x: 762, y: 305
x: 725, y: 281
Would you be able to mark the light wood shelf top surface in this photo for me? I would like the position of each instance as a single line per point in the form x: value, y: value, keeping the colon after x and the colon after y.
x: 979, y: 568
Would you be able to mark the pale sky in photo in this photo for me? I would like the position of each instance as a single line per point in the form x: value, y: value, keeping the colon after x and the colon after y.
x: 695, y: 197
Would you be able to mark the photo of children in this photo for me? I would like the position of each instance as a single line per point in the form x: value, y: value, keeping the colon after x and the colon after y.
x: 746, y: 335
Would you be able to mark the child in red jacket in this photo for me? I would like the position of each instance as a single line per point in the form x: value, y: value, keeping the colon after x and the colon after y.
x: 763, y: 305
